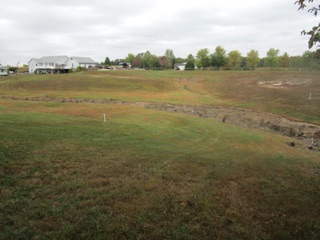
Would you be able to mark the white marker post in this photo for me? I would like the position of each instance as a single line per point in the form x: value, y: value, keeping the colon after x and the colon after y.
x: 104, y: 118
x: 310, y: 96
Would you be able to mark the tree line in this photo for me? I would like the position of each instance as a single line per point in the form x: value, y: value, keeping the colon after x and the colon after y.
x: 220, y: 59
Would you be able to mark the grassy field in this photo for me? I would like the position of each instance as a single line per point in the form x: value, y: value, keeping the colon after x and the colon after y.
x: 147, y: 174
x: 258, y: 90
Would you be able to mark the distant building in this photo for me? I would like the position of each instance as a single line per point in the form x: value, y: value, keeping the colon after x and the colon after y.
x: 4, y: 71
x: 180, y: 66
x: 58, y: 64
x: 85, y: 62
x: 49, y: 64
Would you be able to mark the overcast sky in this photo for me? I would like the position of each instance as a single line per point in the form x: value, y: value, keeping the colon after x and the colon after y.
x: 110, y: 28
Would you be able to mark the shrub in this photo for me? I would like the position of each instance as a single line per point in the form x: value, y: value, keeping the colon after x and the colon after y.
x: 81, y: 69
x: 189, y: 65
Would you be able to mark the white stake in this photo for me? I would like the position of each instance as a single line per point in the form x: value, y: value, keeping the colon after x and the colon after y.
x: 104, y: 118
x: 310, y: 96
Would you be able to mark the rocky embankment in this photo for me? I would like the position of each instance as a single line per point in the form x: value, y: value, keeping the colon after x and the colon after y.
x: 308, y: 135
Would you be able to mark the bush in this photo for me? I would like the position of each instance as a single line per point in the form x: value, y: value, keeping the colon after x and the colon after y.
x: 81, y: 69
x: 189, y: 65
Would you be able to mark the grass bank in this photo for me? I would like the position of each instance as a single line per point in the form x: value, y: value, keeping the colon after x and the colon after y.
x: 281, y: 92
x: 148, y: 175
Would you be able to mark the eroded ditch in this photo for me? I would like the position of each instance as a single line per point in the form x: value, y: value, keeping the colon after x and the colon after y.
x: 304, y: 135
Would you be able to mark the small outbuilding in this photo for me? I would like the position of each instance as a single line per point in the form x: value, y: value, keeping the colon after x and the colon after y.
x: 4, y: 71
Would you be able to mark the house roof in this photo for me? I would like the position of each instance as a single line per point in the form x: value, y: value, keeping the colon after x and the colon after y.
x: 34, y: 59
x: 50, y: 59
x: 84, y: 60
x: 53, y: 58
x: 180, y: 64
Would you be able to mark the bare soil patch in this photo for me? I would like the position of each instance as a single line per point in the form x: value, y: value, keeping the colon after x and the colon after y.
x: 285, y: 82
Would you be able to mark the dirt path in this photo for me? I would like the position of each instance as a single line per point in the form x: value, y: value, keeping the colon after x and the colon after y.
x: 308, y: 135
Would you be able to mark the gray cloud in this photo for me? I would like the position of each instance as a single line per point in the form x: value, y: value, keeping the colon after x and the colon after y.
x: 112, y: 28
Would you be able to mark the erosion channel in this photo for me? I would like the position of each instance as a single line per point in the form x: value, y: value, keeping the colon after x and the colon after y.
x: 304, y: 135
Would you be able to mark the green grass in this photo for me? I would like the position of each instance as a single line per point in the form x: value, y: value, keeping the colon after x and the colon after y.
x: 148, y: 175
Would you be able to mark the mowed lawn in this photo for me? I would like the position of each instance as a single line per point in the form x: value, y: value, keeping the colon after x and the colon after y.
x: 146, y: 174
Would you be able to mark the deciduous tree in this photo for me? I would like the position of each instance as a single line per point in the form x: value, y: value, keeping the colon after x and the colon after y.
x: 234, y: 58
x: 154, y: 62
x: 146, y: 60
x: 284, y: 60
x: 252, y: 59
x: 136, y: 62
x: 170, y: 58
x: 307, y: 58
x: 190, y: 58
x: 116, y: 61
x: 272, y: 59
x: 202, y: 59
x: 219, y: 58
x: 296, y: 62
x: 150, y: 61
x: 163, y: 61
x: 190, y: 63
x: 314, y: 33
x: 130, y: 58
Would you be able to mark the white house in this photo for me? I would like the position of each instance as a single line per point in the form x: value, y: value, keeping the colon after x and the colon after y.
x: 180, y: 66
x: 58, y: 64
x: 49, y: 64
x: 85, y: 62
x: 3, y: 71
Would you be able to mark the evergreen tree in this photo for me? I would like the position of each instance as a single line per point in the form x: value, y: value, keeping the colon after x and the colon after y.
x: 107, y: 62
